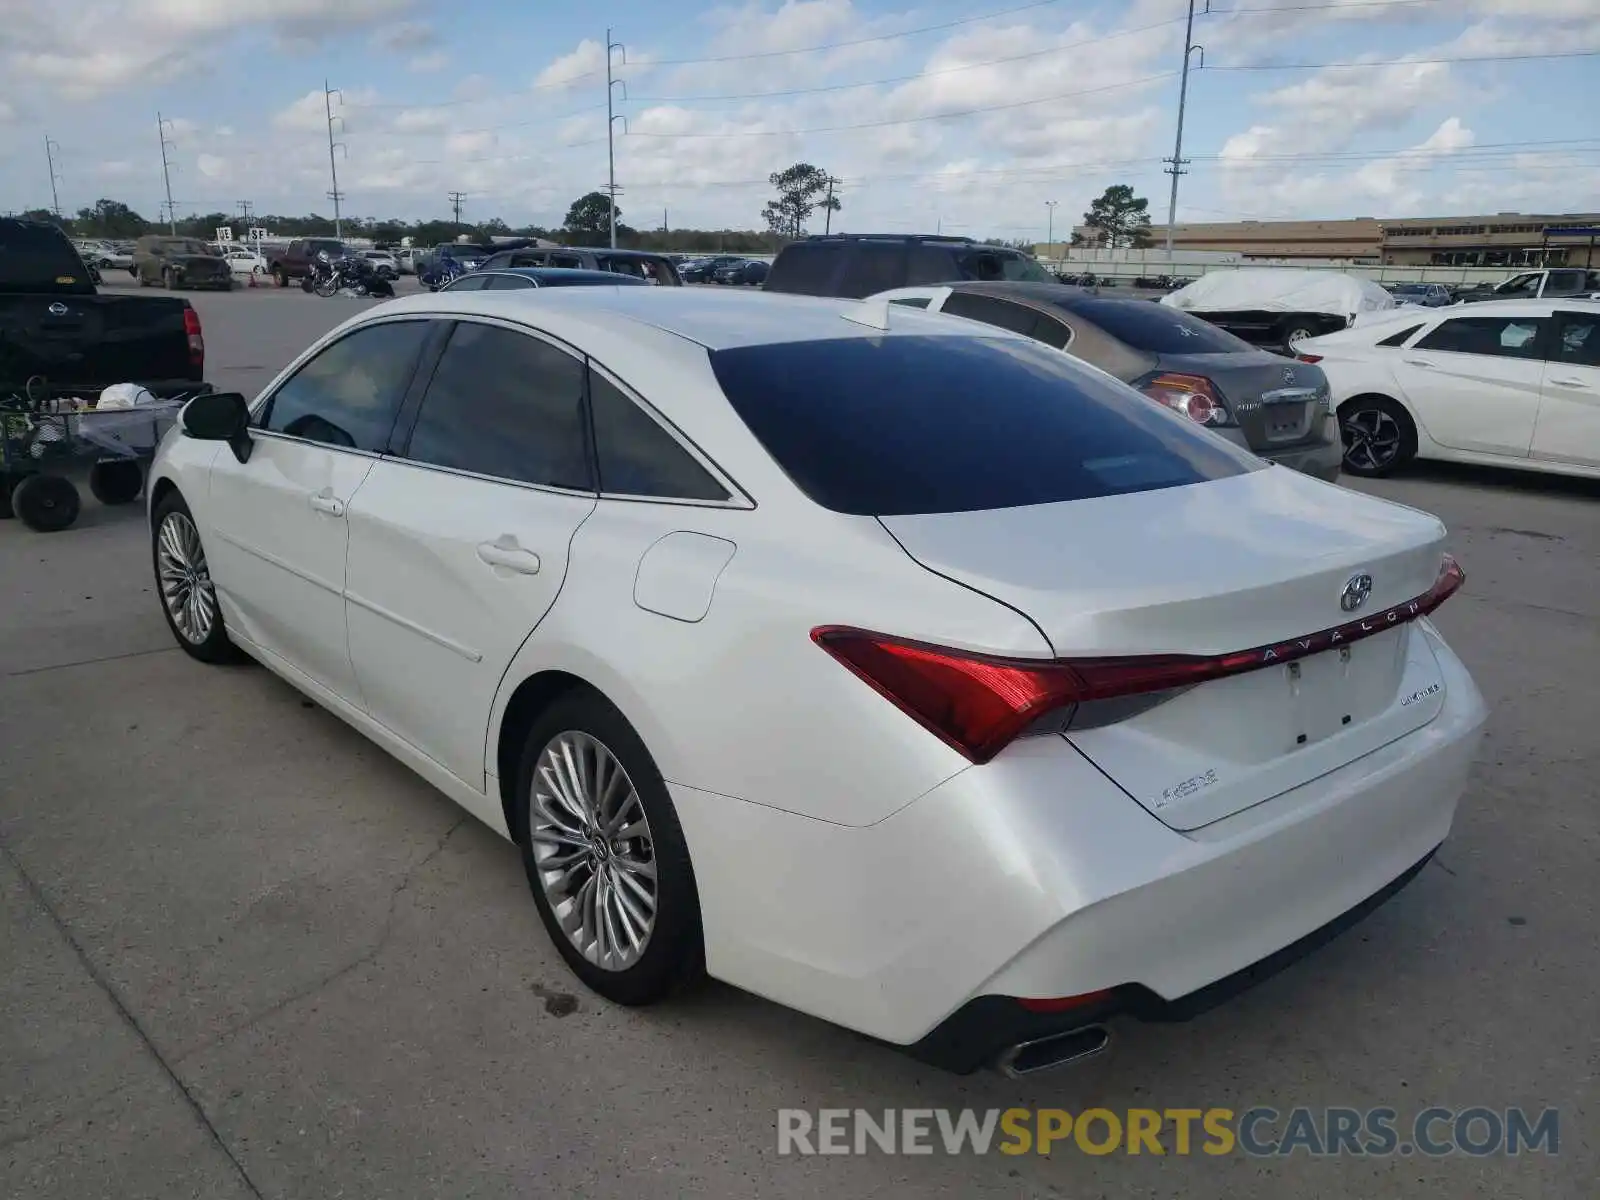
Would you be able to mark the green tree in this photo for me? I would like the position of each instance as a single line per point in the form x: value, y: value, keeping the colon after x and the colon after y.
x: 589, y: 220
x: 110, y: 219
x: 802, y: 189
x: 1120, y: 218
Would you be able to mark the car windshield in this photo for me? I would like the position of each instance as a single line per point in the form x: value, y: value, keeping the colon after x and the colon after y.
x: 1157, y: 328
x: 975, y: 423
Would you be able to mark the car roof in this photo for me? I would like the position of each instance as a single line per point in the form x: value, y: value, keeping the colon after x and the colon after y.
x: 715, y: 319
x: 561, y: 275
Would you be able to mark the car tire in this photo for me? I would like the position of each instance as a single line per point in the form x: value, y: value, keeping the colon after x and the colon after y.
x: 1296, y: 331
x: 45, y: 503
x: 179, y: 562
x: 279, y: 278
x: 117, y: 482
x: 613, y: 871
x: 169, y: 280
x: 1378, y: 434
x: 142, y: 281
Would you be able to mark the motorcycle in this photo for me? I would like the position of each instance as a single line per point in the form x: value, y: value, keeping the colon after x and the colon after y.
x: 350, y: 276
x: 441, y: 274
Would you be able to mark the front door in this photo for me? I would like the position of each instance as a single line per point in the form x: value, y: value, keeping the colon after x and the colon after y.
x: 280, y: 519
x: 1474, y: 382
x: 1569, y: 414
x: 458, y: 544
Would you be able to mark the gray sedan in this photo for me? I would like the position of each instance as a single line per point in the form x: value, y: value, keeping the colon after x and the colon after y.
x: 1277, y: 408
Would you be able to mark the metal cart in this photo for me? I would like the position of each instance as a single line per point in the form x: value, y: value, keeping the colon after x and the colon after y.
x: 45, y: 433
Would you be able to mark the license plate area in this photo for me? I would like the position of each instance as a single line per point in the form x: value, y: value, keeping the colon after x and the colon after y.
x: 1286, y: 422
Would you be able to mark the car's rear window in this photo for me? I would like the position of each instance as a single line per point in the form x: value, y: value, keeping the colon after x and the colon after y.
x: 1156, y: 328
x: 805, y: 268
x: 907, y: 424
x: 38, y: 258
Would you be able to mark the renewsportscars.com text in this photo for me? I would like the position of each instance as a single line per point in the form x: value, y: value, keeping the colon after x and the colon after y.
x: 1260, y: 1132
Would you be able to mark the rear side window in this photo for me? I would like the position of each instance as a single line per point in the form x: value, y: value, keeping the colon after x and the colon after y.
x: 873, y: 267
x: 1401, y: 337
x: 931, y: 264
x: 1018, y: 318
x: 35, y: 257
x: 1156, y: 328
x: 994, y: 266
x: 507, y: 283
x: 1498, y: 337
x: 468, y: 283
x: 805, y: 268
x: 349, y: 394
x: 505, y: 404
x: 1578, y: 341
x: 637, y: 456
x: 911, y: 301
x: 972, y: 423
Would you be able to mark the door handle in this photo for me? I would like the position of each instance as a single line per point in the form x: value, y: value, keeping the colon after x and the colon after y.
x: 1420, y: 362
x: 504, y: 552
x: 1569, y: 383
x: 325, y: 502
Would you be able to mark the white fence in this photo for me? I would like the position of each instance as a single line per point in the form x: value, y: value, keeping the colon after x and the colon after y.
x: 1190, y: 264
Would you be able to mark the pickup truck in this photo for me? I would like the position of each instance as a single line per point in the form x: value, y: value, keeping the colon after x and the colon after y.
x: 54, y: 325
x: 1557, y: 283
x: 294, y: 260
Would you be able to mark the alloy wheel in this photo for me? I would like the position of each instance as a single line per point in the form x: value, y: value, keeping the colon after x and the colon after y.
x: 1371, y: 439
x: 592, y: 849
x: 186, y: 587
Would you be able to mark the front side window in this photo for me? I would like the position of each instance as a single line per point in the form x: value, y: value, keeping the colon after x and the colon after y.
x: 637, y: 456
x: 1578, y: 341
x: 505, y: 404
x: 1499, y: 337
x: 467, y: 283
x: 349, y: 393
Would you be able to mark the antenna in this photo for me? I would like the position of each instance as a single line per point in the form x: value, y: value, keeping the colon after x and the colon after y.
x: 874, y: 314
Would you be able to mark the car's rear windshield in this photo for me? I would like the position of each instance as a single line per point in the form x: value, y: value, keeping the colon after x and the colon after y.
x: 1156, y: 328
x: 38, y: 258
x: 908, y: 424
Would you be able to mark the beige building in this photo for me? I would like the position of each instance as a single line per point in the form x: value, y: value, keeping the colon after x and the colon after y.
x: 1502, y: 240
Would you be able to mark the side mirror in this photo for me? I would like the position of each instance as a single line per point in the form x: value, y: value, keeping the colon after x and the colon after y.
x: 219, y: 417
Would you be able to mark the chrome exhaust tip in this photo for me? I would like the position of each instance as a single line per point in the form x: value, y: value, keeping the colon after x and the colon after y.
x: 1057, y: 1050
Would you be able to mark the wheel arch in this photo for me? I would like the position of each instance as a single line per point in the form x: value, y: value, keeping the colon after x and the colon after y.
x: 531, y: 697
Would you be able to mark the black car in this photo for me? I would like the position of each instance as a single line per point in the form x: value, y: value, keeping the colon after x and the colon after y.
x: 642, y: 265
x: 512, y: 279
x: 745, y: 271
x: 860, y: 264
x: 701, y: 270
x: 1275, y: 408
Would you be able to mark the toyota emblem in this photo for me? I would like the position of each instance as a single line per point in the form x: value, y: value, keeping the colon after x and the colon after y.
x: 58, y: 309
x: 1356, y: 590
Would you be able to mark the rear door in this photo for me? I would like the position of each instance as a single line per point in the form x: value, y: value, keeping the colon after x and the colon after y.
x: 459, y: 542
x: 1474, y: 381
x: 1569, y: 409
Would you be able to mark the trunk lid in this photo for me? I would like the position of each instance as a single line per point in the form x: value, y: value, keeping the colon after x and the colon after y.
x: 1256, y: 560
x: 1279, y: 403
x: 92, y: 341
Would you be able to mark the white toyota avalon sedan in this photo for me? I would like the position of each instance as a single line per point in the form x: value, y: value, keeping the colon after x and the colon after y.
x: 888, y: 665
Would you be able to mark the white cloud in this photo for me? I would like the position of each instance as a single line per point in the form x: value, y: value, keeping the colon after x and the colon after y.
x: 406, y: 36
x: 424, y: 64
x: 587, y: 58
x: 212, y: 166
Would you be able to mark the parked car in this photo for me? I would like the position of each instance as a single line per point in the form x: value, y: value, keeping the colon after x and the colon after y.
x: 516, y: 279
x: 242, y: 261
x: 1514, y: 383
x: 384, y: 264
x: 406, y: 259
x: 1278, y: 307
x: 463, y: 256
x: 701, y: 270
x: 745, y: 271
x: 1427, y: 295
x: 179, y: 262
x: 294, y: 260
x: 851, y: 264
x: 1276, y: 409
x: 650, y: 268
x: 105, y: 255
x: 1556, y: 283
x: 1082, y: 711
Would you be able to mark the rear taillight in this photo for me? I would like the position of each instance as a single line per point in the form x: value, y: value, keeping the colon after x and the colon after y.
x: 1309, y: 358
x: 197, y: 341
x: 1192, y: 395
x: 980, y: 703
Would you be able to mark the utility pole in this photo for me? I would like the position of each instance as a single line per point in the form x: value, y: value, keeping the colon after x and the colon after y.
x: 335, y: 195
x: 611, y: 126
x: 166, y: 172
x: 1050, y: 222
x: 51, y: 146
x: 244, y: 211
x: 827, y: 210
x: 1178, y: 161
x: 455, y: 203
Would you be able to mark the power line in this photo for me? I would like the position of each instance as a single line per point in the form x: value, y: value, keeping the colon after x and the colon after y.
x: 966, y: 112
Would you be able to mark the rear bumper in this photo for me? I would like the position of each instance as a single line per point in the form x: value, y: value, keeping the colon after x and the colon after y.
x: 1034, y: 876
x: 1321, y: 461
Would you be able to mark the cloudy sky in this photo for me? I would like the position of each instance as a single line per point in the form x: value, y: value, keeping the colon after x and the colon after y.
x: 965, y: 115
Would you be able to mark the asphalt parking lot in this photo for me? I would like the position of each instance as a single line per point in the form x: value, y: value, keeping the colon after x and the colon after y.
x: 246, y: 954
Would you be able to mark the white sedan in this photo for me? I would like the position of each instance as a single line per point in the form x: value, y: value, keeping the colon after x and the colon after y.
x: 1508, y: 382
x: 893, y: 667
x: 245, y: 262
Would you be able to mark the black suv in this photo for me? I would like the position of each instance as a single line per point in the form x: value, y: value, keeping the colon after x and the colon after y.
x: 861, y: 264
